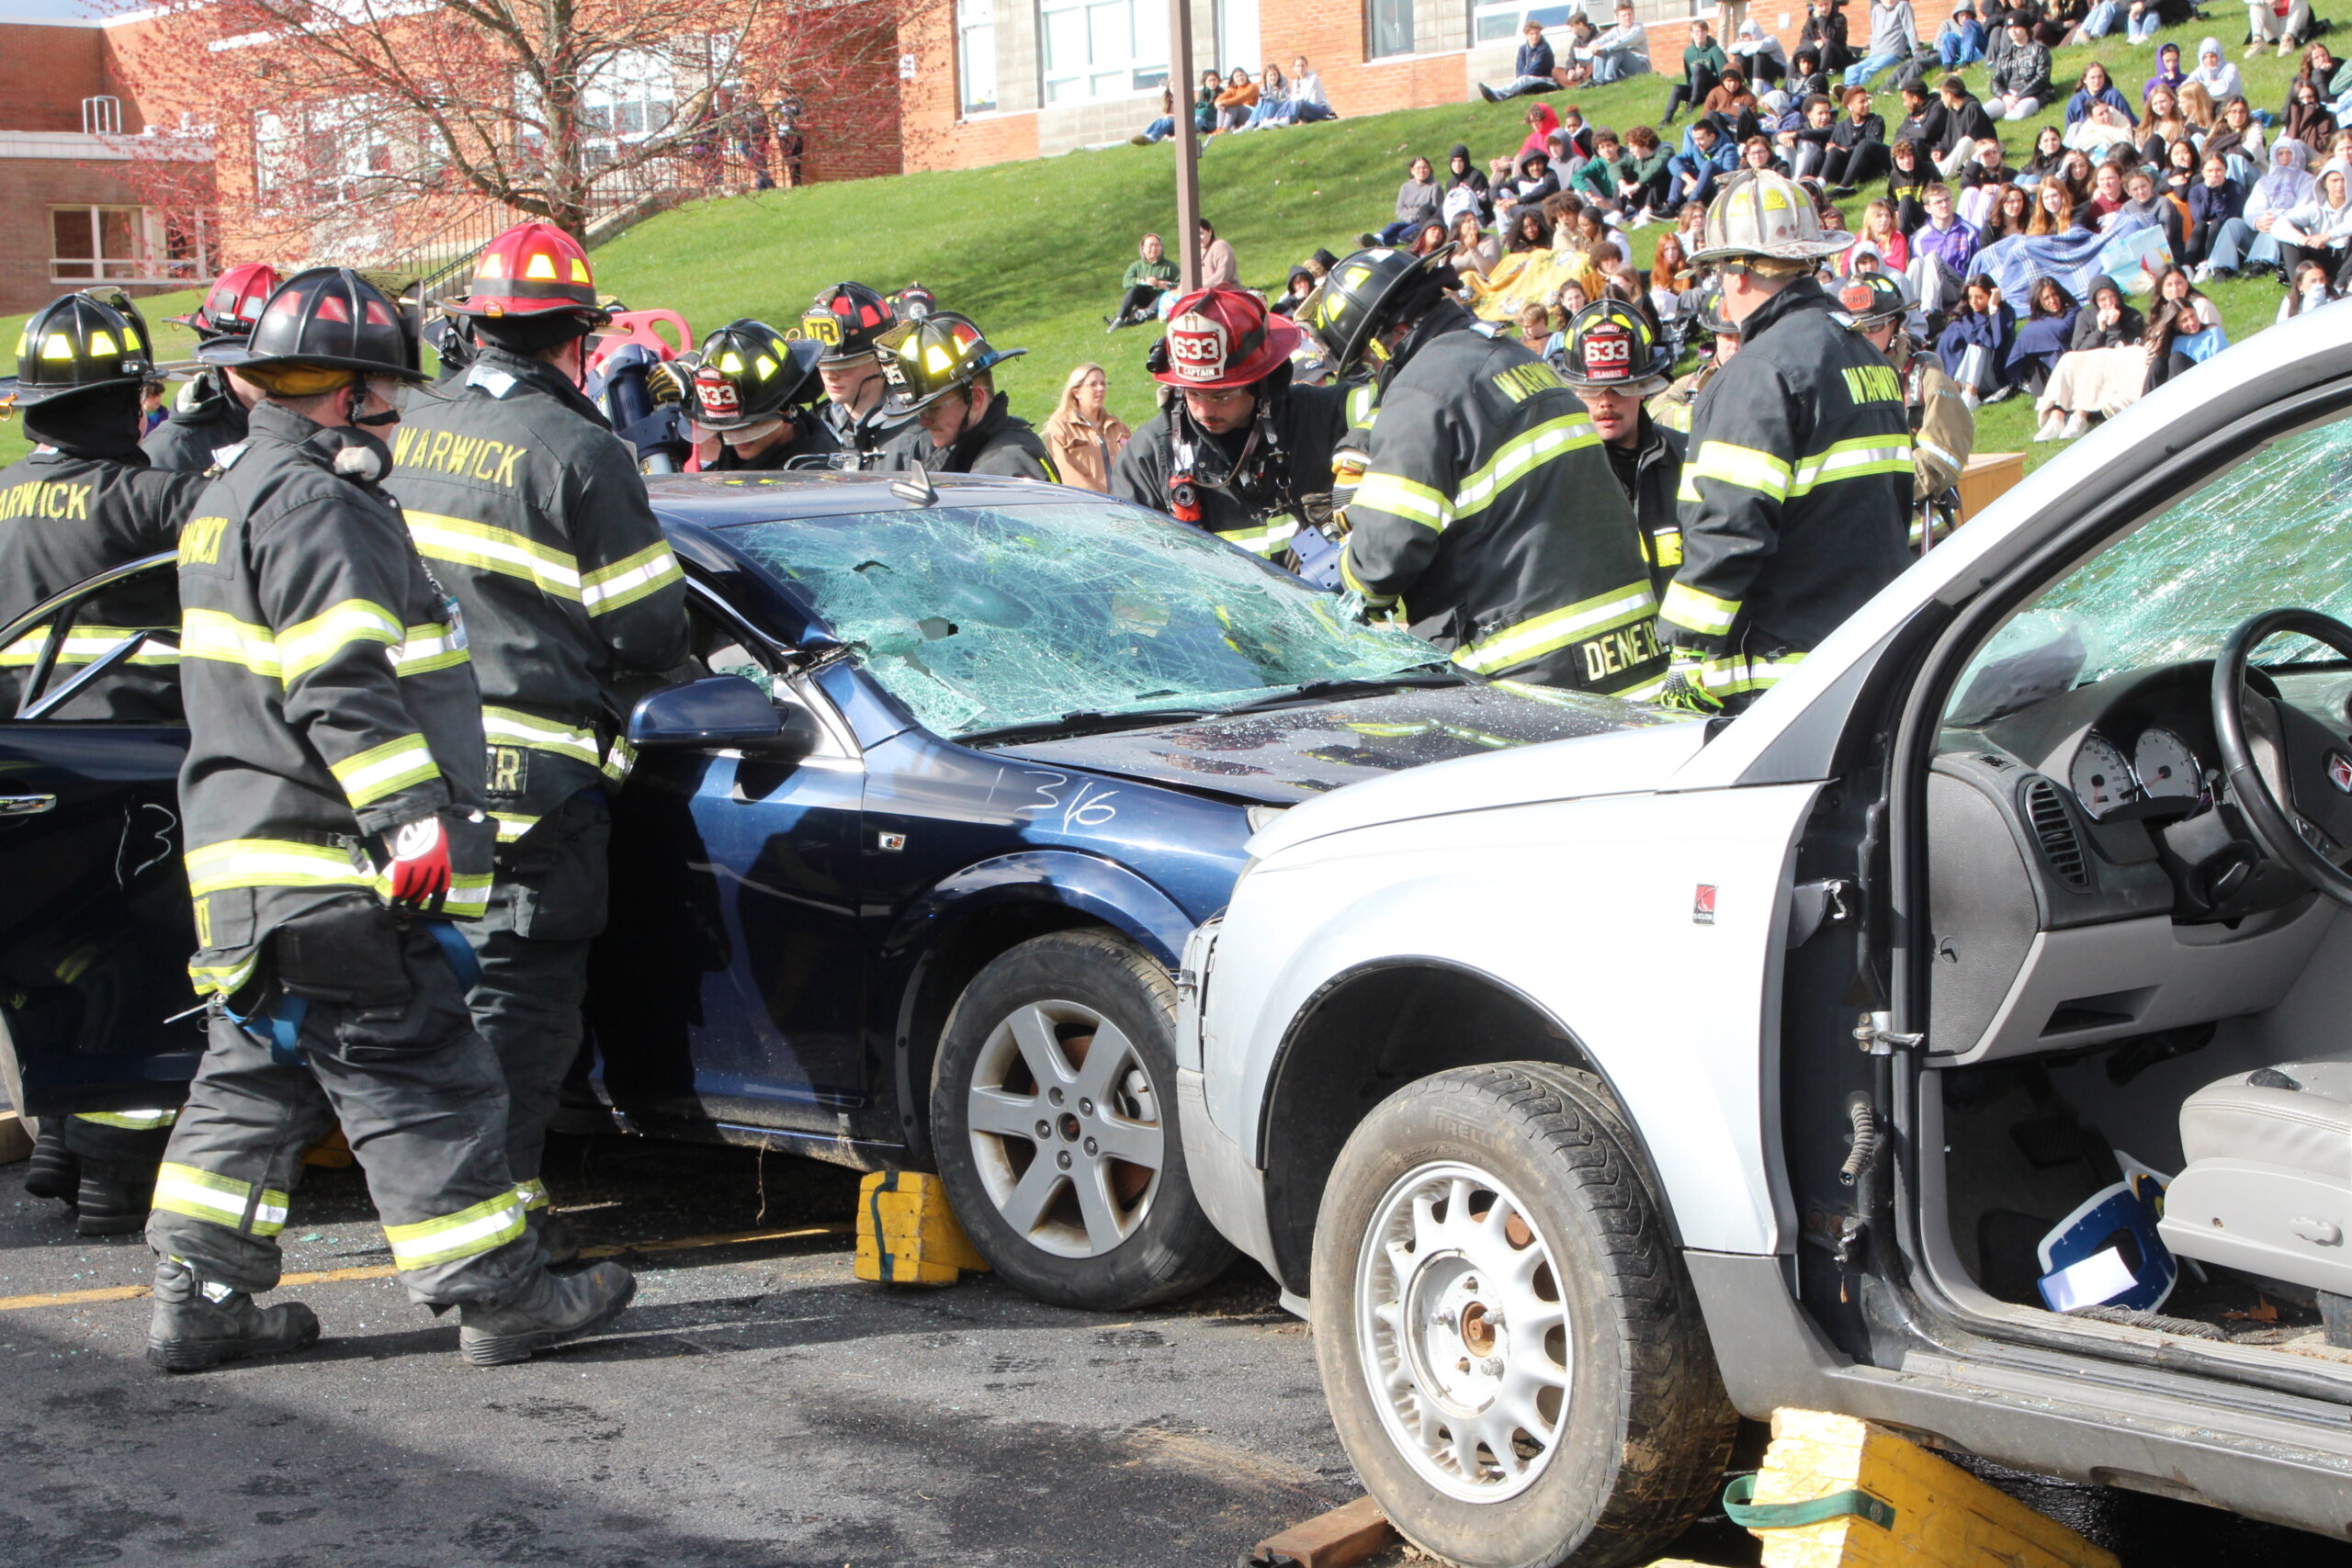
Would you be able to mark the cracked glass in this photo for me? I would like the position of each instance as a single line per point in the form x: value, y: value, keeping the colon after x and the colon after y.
x: 2272, y: 531
x: 979, y: 617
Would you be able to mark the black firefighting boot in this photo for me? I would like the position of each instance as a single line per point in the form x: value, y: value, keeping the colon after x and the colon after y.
x: 559, y: 1242
x: 548, y: 1311
x: 52, y: 1171
x: 113, y: 1199
x: 198, y: 1324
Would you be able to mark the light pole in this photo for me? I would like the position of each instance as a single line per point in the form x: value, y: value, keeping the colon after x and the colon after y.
x: 1188, y: 144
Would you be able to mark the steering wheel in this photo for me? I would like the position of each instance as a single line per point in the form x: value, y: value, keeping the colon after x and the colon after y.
x: 2270, y: 818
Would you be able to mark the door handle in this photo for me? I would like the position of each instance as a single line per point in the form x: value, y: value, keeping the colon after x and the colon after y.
x: 25, y: 805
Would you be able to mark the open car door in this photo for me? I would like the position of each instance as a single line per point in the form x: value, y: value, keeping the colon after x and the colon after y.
x: 95, y: 1009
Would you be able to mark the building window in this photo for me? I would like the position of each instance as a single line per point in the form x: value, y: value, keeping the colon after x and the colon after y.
x: 1494, y: 20
x: 1388, y: 27
x: 976, y: 56
x: 1104, y: 49
x: 633, y: 96
x: 122, y: 244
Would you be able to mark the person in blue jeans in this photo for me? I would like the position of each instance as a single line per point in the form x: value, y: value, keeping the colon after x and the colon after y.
x: 1531, y: 73
x: 1961, y: 41
x: 1894, y: 38
x: 1692, y: 174
x: 2142, y: 21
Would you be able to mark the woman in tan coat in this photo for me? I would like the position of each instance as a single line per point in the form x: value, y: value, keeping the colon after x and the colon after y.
x: 1080, y: 433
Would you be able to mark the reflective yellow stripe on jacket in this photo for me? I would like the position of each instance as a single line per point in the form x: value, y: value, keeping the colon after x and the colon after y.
x: 1555, y: 629
x: 385, y: 770
x: 1519, y: 457
x: 464, y: 543
x: 505, y: 726
x: 626, y: 581
x: 1698, y: 610
x: 1742, y: 465
x: 281, y: 655
x: 1266, y: 539
x: 286, y: 862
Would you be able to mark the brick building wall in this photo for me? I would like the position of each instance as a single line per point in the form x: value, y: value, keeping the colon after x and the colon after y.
x: 28, y: 189
x: 1444, y: 69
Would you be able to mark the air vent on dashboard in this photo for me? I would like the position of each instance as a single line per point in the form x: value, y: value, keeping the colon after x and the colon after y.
x: 2053, y: 829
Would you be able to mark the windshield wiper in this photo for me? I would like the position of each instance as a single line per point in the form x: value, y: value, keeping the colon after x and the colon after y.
x: 1439, y: 673
x: 1080, y: 721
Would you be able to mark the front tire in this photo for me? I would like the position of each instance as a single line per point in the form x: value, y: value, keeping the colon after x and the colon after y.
x: 1511, y: 1350
x: 1052, y: 1113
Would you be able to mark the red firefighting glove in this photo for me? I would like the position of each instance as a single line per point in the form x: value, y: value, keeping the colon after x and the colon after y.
x: 419, y: 872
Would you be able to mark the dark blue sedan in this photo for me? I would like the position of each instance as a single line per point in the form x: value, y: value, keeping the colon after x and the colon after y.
x: 904, y: 867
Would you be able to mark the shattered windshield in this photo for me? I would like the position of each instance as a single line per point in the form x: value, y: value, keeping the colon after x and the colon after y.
x: 2273, y: 531
x: 980, y: 617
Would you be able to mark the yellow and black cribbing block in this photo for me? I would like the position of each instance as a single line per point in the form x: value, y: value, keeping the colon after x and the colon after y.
x: 1838, y: 1492
x: 906, y: 1232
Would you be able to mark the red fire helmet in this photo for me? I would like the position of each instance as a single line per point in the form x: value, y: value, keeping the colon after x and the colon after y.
x: 234, y: 303
x: 532, y: 270
x: 1220, y: 338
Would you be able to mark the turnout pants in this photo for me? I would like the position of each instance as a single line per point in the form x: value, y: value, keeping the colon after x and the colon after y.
x: 419, y: 1097
x: 546, y: 907
x: 133, y: 1139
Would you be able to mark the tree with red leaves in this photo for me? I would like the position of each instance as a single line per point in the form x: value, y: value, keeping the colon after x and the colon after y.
x: 391, y: 129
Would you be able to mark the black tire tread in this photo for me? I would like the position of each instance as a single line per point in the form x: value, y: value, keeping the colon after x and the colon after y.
x: 1679, y: 1424
x: 1200, y: 1254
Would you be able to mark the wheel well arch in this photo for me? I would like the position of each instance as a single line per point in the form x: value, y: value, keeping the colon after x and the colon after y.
x: 1366, y: 1034
x: 967, y: 943
x: 968, y: 919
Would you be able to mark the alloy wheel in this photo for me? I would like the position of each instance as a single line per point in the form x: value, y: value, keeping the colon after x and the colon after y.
x: 1065, y: 1128
x: 1462, y: 1332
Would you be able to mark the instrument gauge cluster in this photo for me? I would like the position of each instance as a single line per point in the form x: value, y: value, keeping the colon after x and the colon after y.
x: 2160, y: 766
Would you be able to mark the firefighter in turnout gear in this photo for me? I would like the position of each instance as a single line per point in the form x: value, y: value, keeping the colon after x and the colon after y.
x: 1240, y: 451
x: 846, y: 321
x: 1486, y: 512
x: 331, y: 799
x: 1943, y: 427
x: 1796, y: 485
x: 1672, y: 407
x: 748, y: 398
x: 83, y: 501
x: 939, y: 374
x: 1614, y: 361
x: 210, y: 411
x: 532, y: 513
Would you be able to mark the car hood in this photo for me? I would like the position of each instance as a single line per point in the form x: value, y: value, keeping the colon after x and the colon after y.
x: 1291, y: 754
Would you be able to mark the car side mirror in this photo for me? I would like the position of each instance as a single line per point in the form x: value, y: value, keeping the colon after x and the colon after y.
x: 717, y: 710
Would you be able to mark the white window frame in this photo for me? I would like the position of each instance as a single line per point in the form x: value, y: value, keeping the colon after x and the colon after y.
x: 638, y: 91
x: 1124, y: 44
x: 1498, y: 21
x: 1395, y: 48
x: 150, y: 262
x: 976, y: 84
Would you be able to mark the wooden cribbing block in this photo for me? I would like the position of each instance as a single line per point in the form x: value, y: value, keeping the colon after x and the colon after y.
x: 1889, y: 1503
x: 15, y: 1141
x: 906, y: 1232
x: 1348, y: 1534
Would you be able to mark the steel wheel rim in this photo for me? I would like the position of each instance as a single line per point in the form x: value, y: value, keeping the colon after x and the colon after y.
x: 1462, y: 1332
x: 1065, y: 1128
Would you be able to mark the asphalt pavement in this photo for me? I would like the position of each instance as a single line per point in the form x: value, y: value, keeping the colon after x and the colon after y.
x: 757, y: 1406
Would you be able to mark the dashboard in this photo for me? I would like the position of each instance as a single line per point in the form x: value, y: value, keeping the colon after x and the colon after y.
x: 2091, y: 877
x: 2159, y: 766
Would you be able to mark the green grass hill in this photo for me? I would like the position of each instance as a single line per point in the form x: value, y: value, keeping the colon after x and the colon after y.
x: 1032, y: 250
